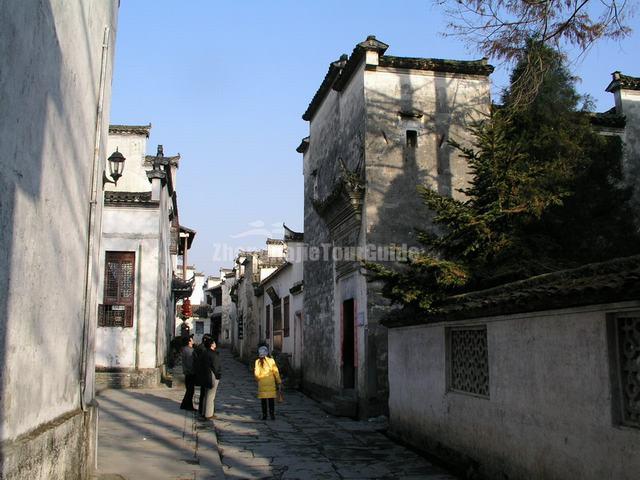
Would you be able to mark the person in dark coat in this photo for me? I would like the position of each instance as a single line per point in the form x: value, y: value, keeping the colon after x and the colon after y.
x: 210, y: 370
x: 199, y: 371
x: 189, y: 374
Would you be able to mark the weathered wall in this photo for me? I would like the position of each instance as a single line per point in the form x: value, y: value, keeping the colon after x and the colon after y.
x: 228, y: 313
x: 630, y: 108
x: 549, y: 411
x: 249, y: 307
x: 336, y: 132
x: 438, y: 107
x: 51, y: 66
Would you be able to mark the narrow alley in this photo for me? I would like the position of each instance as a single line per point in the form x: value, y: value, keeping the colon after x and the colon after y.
x: 303, y: 442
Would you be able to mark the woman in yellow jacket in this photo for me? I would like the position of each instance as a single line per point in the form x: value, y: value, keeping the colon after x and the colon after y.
x: 267, y: 375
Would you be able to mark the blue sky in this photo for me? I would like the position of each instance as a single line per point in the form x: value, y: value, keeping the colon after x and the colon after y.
x: 225, y: 83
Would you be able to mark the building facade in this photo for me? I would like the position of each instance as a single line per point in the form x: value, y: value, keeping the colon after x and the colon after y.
x: 626, y: 93
x: 378, y: 127
x: 136, y: 302
x: 251, y: 268
x: 282, y: 307
x: 56, y: 60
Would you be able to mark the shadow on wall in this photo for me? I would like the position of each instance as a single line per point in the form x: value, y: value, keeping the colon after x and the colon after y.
x: 421, y: 157
x: 47, y: 99
x: 408, y: 147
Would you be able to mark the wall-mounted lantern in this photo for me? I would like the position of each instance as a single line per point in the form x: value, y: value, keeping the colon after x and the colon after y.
x: 116, y: 166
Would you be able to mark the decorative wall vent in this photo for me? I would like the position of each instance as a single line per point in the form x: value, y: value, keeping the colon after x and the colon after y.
x: 468, y: 360
x: 115, y: 315
x: 627, y: 332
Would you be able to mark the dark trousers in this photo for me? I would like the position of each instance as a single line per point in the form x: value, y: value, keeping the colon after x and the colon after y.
x: 272, y: 407
x: 187, y: 400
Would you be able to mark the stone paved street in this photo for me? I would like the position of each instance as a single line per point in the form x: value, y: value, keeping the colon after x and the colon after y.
x: 144, y: 435
x: 303, y: 442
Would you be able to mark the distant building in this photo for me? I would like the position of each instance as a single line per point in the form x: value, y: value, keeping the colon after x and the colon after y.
x: 251, y: 268
x: 379, y: 126
x: 626, y: 93
x: 218, y: 296
x: 139, y: 245
x: 55, y: 89
x: 282, y: 305
x: 200, y: 311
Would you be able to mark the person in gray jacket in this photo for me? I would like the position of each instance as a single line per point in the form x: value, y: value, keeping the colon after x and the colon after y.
x: 189, y: 374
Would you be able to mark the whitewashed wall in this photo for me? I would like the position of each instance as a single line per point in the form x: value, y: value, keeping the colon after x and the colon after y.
x: 55, y: 92
x: 549, y: 413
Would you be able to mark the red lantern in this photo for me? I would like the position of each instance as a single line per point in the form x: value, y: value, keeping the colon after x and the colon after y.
x: 186, y: 308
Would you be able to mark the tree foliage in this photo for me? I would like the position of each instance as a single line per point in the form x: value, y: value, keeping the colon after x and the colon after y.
x: 501, y: 28
x: 544, y: 195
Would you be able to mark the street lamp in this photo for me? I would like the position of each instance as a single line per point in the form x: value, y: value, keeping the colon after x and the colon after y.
x: 116, y: 166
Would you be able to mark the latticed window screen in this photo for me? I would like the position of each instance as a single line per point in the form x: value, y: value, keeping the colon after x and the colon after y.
x: 119, y: 281
x: 628, y: 343
x: 468, y: 360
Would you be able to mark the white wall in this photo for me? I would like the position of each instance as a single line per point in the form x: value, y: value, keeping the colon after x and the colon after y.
x: 134, y: 176
x: 133, y: 230
x: 51, y: 62
x: 549, y: 411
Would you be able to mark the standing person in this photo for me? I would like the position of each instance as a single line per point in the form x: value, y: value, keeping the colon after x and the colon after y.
x: 267, y: 375
x: 189, y: 374
x: 200, y: 371
x: 211, y: 377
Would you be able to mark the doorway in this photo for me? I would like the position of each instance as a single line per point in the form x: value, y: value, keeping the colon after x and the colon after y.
x: 348, y: 345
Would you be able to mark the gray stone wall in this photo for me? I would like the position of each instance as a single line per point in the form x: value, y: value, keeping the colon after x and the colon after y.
x: 51, y: 59
x: 438, y: 107
x: 337, y: 134
x: 55, y: 451
x: 359, y: 143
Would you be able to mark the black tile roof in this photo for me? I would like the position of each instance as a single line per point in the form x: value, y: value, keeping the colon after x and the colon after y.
x: 131, y: 129
x: 597, y: 283
x: 129, y: 199
x: 620, y: 81
x: 341, y: 70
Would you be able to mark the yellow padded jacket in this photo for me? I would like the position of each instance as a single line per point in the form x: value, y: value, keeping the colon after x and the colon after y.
x: 268, y: 377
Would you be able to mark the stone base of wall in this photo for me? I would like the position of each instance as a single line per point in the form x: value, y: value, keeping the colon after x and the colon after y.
x: 340, y: 403
x: 127, y: 378
x: 63, y: 449
x: 457, y: 462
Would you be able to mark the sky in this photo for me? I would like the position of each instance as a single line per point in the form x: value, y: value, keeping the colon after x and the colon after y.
x: 225, y: 83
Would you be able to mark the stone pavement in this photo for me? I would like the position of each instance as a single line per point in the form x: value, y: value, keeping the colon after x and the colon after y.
x: 303, y: 442
x: 144, y: 435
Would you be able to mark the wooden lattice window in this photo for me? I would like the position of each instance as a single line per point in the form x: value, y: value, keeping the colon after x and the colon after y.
x: 468, y: 360
x: 626, y: 332
x: 119, y: 289
x: 285, y: 315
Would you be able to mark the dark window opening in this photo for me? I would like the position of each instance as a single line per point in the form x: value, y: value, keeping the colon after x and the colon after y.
x: 285, y: 315
x: 412, y: 138
x: 268, y: 322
